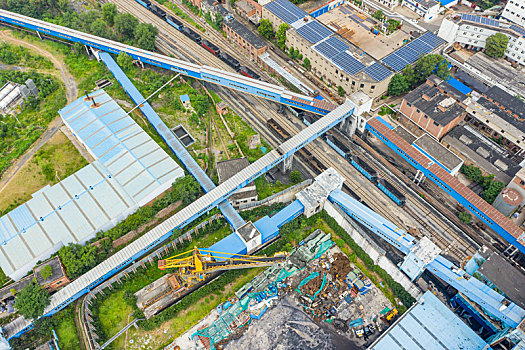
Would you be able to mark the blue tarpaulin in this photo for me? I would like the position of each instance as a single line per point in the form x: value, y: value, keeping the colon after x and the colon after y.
x: 459, y: 85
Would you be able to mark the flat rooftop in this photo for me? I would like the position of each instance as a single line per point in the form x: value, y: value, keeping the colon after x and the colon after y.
x: 506, y: 277
x: 227, y: 168
x: 499, y: 71
x: 429, y: 325
x: 355, y: 27
x: 433, y: 148
x: 481, y: 151
x: 405, y: 134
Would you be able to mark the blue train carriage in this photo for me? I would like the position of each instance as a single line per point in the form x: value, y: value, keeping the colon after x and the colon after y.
x: 364, y: 168
x: 145, y: 3
x: 337, y: 145
x: 174, y: 23
x: 391, y: 192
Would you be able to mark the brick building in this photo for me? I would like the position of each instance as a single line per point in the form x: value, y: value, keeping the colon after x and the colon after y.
x: 434, y: 106
x: 244, y: 39
x: 249, y: 9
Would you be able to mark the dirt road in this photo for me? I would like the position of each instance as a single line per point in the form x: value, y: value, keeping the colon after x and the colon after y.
x: 54, y: 126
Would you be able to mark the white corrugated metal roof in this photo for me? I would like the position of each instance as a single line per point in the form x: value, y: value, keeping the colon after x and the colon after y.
x: 95, y: 197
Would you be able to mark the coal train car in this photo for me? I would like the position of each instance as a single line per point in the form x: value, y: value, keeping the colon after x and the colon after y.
x: 175, y: 23
x: 277, y: 130
x: 364, y: 168
x: 145, y: 3
x: 191, y: 34
x: 392, y: 192
x: 157, y: 11
x: 249, y: 73
x: 229, y: 60
x: 208, y: 45
x: 338, y: 146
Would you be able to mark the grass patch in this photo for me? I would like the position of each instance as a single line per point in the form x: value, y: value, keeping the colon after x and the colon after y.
x: 114, y: 313
x: 66, y: 329
x: 267, y: 189
x: 57, y: 157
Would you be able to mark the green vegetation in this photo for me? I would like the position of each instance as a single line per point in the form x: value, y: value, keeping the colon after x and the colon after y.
x: 413, y: 76
x: 105, y: 23
x: 178, y: 12
x: 295, y: 177
x: 215, y: 22
x: 79, y: 259
x: 265, y: 28
x: 306, y: 63
x: 267, y: 189
x: 340, y: 91
x: 31, y: 301
x: 496, y: 45
x: 20, y: 56
x: 17, y: 133
x: 393, y: 25
x: 465, y: 217
x: 192, y: 7
x: 280, y: 35
x: 378, y: 15
x: 486, y: 4
x: 46, y: 272
x: 491, y: 188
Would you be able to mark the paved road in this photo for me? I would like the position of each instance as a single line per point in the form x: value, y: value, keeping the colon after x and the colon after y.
x: 54, y: 126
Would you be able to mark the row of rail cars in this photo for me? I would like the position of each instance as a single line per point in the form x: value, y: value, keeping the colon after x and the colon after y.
x: 208, y: 45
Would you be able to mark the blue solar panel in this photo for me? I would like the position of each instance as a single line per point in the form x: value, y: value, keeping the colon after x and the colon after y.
x: 395, y: 62
x: 338, y: 44
x: 314, y: 32
x: 345, y: 11
x: 377, y: 71
x: 518, y: 29
x: 420, y: 47
x: 326, y: 49
x: 431, y: 39
x: 348, y: 63
x: 285, y: 10
x: 480, y: 19
x: 408, y: 54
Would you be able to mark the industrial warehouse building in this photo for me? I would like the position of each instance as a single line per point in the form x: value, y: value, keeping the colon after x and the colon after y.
x: 130, y: 170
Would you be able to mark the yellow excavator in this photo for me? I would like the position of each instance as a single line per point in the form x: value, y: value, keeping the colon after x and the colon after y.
x: 195, y: 265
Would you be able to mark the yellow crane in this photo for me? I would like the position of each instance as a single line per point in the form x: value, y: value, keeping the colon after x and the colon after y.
x: 194, y: 265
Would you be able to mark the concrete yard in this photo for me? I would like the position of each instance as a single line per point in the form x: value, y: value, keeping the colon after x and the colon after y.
x: 378, y: 46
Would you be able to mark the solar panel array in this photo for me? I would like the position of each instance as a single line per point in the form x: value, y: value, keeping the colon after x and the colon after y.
x: 377, y: 71
x: 348, y: 63
x: 285, y: 10
x: 518, y: 29
x: 314, y: 32
x: 411, y: 52
x: 479, y: 19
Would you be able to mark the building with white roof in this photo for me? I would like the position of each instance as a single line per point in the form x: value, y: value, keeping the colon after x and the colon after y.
x: 130, y: 170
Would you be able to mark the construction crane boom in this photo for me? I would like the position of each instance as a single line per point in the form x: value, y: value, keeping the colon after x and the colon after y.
x: 197, y: 263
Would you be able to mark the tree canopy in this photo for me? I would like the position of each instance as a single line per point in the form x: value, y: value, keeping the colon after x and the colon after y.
x: 109, y: 11
x: 340, y: 91
x: 398, y: 85
x: 265, y: 28
x: 145, y: 34
x: 125, y: 61
x: 378, y: 15
x: 280, y: 35
x: 496, y: 45
x: 295, y: 177
x: 32, y: 301
x: 306, y: 63
x: 125, y: 25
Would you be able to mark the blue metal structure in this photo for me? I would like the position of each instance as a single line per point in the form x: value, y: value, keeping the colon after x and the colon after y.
x: 491, y: 301
x: 213, y: 75
x: 167, y: 135
x: 434, y: 172
x: 391, y: 192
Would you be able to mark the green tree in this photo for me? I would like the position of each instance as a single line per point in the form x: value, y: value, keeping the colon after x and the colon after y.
x: 472, y: 172
x: 78, y: 259
x: 31, y: 301
x: 465, y: 217
x: 99, y: 28
x: 46, y: 272
x: 280, y: 35
x: 145, y: 35
x: 125, y: 61
x: 496, y: 45
x: 265, y: 28
x: 393, y: 24
x: 109, y: 11
x: 428, y: 65
x: 492, y: 191
x: 219, y: 19
x: 378, y: 15
x: 125, y: 25
x: 295, y: 177
x: 306, y: 63
x: 340, y: 91
x: 398, y: 85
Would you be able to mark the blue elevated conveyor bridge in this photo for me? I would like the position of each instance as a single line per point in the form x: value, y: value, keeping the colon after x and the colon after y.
x: 171, y: 140
x: 213, y: 75
x: 494, y: 304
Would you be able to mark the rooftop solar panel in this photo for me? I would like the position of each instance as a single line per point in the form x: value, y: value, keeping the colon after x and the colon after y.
x: 326, y: 49
x: 377, y: 71
x: 431, y: 39
x: 345, y: 10
x: 395, y: 62
x: 285, y: 10
x: 320, y: 29
x: 293, y: 9
x: 408, y: 54
x: 518, y: 29
x: 480, y: 19
x: 420, y: 46
x: 338, y: 44
x: 313, y: 32
x: 348, y: 63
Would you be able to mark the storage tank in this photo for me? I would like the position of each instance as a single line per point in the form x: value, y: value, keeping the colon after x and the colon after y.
x: 507, y: 201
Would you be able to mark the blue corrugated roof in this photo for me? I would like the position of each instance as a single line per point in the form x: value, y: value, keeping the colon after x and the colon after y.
x: 459, y: 85
x: 231, y: 245
x: 184, y: 98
